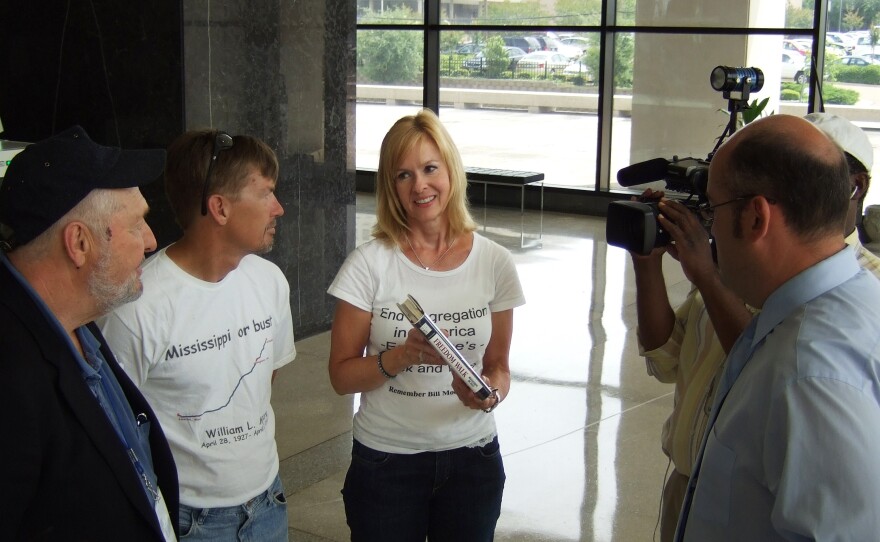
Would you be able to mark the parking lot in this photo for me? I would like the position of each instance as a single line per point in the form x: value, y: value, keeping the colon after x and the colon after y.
x: 562, y: 145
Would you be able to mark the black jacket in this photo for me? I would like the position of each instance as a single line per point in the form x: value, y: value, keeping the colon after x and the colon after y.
x: 64, y: 474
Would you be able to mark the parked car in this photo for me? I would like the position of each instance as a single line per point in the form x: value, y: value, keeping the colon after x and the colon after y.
x: 855, y: 61
x: 478, y: 62
x: 792, y: 45
x: 544, y: 41
x: 571, y: 52
x: 844, y: 40
x: 578, y: 69
x: 526, y: 43
x: 550, y: 43
x: 470, y: 48
x: 863, y: 45
x: 577, y: 41
x: 793, y: 67
x: 836, y: 49
x: 543, y: 63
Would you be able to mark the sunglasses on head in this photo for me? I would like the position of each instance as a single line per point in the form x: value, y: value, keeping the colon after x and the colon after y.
x: 222, y: 141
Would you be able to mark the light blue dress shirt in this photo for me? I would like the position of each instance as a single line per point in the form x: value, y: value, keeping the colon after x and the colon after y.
x: 793, y: 454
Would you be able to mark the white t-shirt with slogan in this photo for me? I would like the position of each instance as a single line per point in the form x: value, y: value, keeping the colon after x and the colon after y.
x: 203, y: 354
x: 418, y: 411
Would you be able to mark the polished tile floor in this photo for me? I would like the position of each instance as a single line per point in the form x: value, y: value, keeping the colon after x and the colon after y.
x: 580, y: 429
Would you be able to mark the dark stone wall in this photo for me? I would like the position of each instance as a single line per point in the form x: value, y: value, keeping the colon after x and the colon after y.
x: 136, y: 74
x: 112, y: 67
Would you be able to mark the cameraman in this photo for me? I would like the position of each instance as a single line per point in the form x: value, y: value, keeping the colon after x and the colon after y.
x: 688, y: 346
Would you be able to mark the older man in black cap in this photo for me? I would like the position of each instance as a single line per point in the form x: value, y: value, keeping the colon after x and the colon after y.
x: 83, y: 458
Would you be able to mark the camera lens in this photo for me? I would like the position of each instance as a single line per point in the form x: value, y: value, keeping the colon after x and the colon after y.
x: 725, y: 78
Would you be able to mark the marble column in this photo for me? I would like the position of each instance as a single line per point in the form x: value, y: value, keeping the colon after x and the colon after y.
x: 136, y: 74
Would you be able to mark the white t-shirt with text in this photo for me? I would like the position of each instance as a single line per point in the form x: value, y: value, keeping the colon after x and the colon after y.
x: 418, y: 410
x: 203, y: 354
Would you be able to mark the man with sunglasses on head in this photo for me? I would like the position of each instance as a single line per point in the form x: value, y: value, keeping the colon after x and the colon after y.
x: 204, y: 344
x: 688, y: 346
x: 83, y: 457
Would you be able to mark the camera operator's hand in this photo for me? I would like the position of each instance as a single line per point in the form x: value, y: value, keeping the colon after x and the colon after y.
x: 649, y: 196
x: 690, y: 246
x: 655, y: 315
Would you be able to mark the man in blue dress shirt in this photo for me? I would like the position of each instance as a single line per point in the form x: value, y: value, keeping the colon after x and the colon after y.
x: 792, y: 446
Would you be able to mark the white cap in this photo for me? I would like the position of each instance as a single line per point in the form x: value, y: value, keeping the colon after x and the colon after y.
x: 850, y: 137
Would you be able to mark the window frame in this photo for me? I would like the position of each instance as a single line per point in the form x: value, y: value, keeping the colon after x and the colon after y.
x: 580, y: 200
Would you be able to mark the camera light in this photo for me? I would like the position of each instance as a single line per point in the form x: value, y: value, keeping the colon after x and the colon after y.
x: 727, y: 79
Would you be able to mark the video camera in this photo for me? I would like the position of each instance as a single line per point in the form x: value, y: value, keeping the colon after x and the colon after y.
x: 633, y: 225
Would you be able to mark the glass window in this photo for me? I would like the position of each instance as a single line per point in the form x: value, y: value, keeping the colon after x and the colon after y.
x: 521, y: 13
x: 390, y: 12
x: 528, y: 85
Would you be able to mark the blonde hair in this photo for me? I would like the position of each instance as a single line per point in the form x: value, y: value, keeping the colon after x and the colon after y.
x: 391, y: 219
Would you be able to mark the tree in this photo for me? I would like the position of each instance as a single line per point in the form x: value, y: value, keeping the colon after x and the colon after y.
x: 450, y: 40
x: 868, y: 9
x: 578, y: 12
x: 507, y: 12
x: 852, y: 20
x: 624, y: 49
x: 496, y: 57
x: 390, y: 56
x: 796, y: 17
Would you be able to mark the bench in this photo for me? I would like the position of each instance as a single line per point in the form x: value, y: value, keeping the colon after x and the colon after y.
x: 507, y: 177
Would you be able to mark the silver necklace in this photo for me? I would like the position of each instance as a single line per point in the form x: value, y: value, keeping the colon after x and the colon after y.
x: 434, y: 264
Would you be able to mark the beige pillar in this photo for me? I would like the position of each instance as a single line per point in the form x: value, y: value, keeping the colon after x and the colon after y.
x: 675, y: 111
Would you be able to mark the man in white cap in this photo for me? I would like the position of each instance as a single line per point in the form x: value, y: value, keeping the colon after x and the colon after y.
x: 860, y: 159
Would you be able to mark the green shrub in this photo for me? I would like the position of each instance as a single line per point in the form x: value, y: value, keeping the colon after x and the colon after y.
x: 524, y: 75
x: 390, y: 57
x: 497, y: 58
x: 839, y: 96
x: 868, y: 75
x: 579, y: 81
x: 790, y: 95
x: 450, y: 63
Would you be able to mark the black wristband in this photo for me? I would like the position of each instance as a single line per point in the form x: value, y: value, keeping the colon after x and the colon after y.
x: 382, y: 370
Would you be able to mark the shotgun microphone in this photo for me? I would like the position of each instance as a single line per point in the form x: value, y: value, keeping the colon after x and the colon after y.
x: 648, y: 171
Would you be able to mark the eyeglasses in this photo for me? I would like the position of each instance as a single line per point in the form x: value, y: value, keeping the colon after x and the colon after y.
x: 222, y: 141
x: 707, y: 212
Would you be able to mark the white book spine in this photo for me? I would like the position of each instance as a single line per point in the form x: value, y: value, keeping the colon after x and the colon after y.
x: 445, y: 348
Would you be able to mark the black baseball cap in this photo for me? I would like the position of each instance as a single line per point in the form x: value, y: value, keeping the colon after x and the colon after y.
x: 49, y: 178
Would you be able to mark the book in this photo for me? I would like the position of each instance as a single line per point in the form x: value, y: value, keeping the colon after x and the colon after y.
x: 460, y: 366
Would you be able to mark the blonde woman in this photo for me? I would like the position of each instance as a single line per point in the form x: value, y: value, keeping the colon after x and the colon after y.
x: 425, y: 459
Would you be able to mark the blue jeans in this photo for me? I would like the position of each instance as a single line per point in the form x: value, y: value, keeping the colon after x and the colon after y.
x: 445, y: 496
x: 261, y: 519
